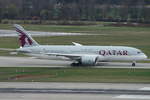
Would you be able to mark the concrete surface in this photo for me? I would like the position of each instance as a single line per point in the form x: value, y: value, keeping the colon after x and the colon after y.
x: 70, y: 85
x: 33, y: 62
x: 28, y: 91
x: 12, y: 33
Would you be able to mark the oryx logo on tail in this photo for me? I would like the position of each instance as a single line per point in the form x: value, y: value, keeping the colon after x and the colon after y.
x: 24, y: 38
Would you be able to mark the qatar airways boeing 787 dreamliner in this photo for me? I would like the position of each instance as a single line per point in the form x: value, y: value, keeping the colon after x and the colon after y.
x: 79, y: 54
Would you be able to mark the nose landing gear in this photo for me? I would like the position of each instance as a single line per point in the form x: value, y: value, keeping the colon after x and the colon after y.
x: 133, y: 63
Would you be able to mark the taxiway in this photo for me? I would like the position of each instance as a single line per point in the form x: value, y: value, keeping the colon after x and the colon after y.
x: 33, y: 62
x: 73, y: 91
x: 12, y: 33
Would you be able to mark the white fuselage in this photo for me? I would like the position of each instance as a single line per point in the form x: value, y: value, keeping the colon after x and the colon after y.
x: 105, y: 53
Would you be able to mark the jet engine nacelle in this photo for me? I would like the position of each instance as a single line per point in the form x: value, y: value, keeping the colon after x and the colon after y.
x: 89, y: 60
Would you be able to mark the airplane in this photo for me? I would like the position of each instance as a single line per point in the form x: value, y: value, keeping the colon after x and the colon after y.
x: 79, y: 54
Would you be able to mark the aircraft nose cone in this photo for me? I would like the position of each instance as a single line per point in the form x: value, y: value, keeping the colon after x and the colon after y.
x: 144, y: 56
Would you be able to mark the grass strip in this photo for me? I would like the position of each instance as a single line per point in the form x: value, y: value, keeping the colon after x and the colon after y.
x: 39, y: 74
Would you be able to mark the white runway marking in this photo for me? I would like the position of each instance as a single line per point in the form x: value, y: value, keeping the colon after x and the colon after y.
x: 145, y: 88
x: 133, y: 97
x: 136, y: 96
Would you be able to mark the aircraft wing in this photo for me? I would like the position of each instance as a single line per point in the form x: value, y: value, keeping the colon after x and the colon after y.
x: 85, y: 59
x: 77, y: 44
x: 71, y: 56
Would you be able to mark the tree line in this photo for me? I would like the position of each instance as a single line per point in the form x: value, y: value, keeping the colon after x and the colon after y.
x: 87, y: 10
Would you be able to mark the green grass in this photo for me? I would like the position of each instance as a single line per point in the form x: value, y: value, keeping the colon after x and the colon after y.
x: 138, y: 37
x: 74, y: 75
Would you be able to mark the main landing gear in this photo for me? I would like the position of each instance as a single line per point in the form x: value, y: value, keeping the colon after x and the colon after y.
x: 76, y: 64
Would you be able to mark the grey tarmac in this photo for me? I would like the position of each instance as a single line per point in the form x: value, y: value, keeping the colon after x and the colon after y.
x: 12, y: 33
x: 34, y: 62
x: 21, y: 96
x: 37, y: 91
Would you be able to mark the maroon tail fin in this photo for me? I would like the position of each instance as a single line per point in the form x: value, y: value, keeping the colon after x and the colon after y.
x: 24, y: 38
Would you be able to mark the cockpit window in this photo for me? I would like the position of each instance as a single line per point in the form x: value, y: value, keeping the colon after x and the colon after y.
x: 139, y: 52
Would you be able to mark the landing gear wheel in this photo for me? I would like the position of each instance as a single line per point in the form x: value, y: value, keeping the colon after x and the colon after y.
x: 133, y: 64
x: 75, y: 64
